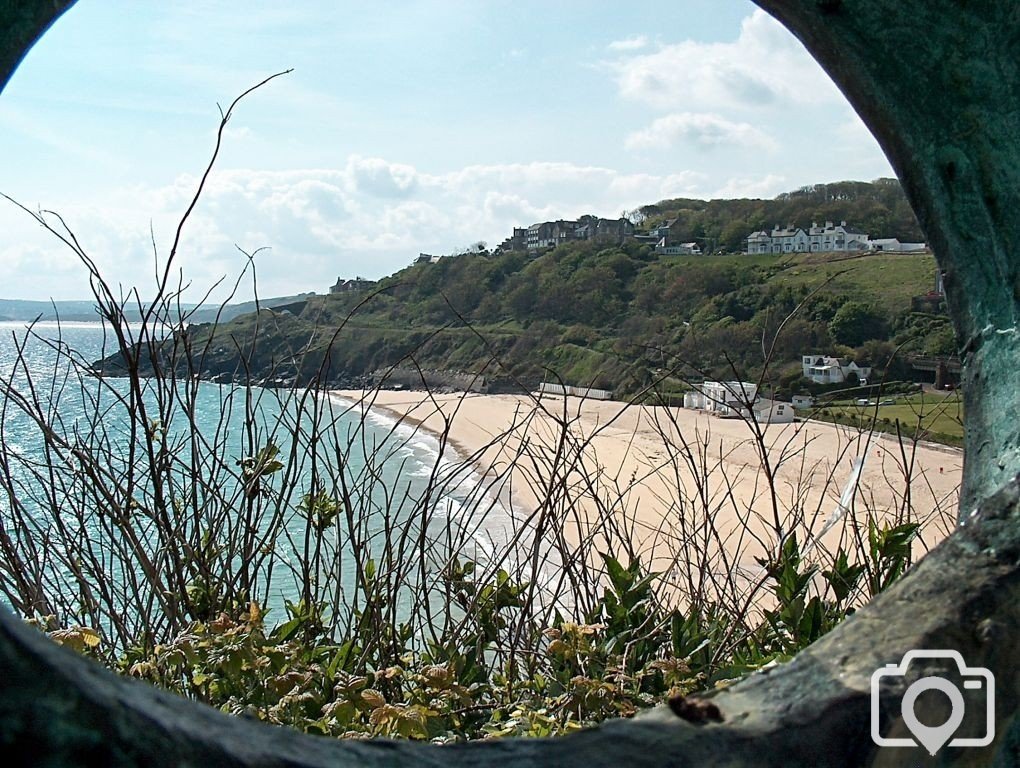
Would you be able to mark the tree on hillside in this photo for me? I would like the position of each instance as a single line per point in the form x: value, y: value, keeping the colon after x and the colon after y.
x: 856, y: 322
x: 878, y: 207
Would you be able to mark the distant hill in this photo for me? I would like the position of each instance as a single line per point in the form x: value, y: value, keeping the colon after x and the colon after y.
x: 230, y: 311
x: 85, y: 311
x: 71, y: 311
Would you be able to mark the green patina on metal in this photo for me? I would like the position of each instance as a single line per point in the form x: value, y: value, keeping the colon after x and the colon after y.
x: 938, y: 82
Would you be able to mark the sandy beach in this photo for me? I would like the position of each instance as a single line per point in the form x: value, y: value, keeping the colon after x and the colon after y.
x: 672, y: 484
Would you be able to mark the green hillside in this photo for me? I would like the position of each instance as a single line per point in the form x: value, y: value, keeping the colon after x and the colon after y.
x: 612, y: 317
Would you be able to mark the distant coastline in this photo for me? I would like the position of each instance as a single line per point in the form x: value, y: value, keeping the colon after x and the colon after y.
x: 84, y: 311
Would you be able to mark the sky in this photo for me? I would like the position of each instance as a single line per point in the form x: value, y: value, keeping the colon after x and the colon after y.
x: 406, y: 126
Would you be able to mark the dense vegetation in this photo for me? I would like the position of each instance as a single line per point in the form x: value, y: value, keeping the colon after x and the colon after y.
x: 629, y: 653
x: 879, y: 208
x: 615, y: 317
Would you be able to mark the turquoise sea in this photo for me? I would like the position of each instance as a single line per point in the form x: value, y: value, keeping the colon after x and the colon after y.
x: 384, y: 490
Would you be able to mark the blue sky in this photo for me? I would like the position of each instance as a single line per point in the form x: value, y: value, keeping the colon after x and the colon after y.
x: 418, y: 125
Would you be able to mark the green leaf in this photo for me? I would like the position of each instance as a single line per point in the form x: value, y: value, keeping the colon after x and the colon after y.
x: 618, y: 575
x: 286, y: 630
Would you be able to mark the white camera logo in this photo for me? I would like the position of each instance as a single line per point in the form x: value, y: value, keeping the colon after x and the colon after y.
x: 933, y: 738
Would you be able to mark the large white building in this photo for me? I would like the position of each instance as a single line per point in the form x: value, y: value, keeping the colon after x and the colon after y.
x: 731, y: 399
x: 790, y: 239
x: 723, y: 398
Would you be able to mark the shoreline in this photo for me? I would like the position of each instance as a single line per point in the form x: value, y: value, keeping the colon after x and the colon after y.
x: 399, y: 418
x: 449, y: 450
x: 623, y: 467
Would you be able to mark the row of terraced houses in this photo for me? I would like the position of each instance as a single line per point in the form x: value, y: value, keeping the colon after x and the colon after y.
x: 822, y: 239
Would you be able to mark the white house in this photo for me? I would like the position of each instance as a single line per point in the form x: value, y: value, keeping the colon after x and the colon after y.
x: 816, y: 239
x: 728, y: 398
x: 791, y: 239
x: 841, y: 237
x: 773, y: 412
x: 758, y: 242
x: 679, y: 249
x: 802, y: 401
x: 832, y: 370
x: 427, y: 258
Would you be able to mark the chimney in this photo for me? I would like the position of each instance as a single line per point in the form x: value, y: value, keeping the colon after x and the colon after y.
x: 842, y: 223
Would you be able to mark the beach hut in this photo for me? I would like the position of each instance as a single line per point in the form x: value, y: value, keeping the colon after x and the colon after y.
x: 773, y: 412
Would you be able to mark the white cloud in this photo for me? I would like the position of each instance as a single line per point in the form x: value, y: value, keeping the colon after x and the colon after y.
x: 858, y: 149
x: 381, y: 178
x: 632, y: 43
x: 647, y: 188
x: 765, y: 187
x: 507, y: 206
x: 234, y: 133
x: 764, y: 66
x: 370, y: 217
x: 703, y: 130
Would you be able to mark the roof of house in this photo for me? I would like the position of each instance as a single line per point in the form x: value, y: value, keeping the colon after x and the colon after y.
x: 826, y: 361
x: 765, y: 404
x: 788, y: 231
